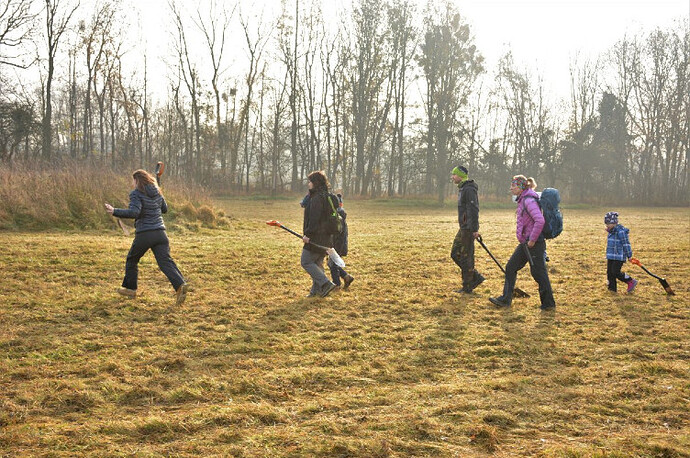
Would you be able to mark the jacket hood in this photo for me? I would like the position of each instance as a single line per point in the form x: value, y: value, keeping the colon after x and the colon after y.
x: 151, y: 190
x: 468, y: 184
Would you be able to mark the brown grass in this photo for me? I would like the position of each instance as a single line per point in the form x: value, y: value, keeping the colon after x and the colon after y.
x: 72, y: 197
x: 398, y: 366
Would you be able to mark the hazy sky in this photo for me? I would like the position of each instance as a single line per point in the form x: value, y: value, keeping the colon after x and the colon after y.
x: 544, y: 35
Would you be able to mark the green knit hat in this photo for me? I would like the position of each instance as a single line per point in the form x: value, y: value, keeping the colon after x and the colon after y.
x: 460, y: 171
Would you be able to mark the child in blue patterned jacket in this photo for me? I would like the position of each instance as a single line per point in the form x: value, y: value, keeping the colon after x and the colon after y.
x: 618, y: 250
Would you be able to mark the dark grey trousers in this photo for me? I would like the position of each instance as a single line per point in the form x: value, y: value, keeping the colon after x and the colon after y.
x: 312, y: 262
x: 158, y: 242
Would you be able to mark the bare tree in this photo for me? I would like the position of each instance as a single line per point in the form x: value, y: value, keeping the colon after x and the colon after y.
x: 95, y: 37
x: 188, y: 72
x: 402, y: 38
x: 312, y: 38
x: 214, y: 26
x: 56, y: 25
x: 367, y: 82
x: 16, y: 20
x: 112, y: 55
x: 256, y: 43
x: 451, y: 64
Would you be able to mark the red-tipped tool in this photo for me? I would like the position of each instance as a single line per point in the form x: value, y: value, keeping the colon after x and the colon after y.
x: 332, y: 254
x: 663, y: 281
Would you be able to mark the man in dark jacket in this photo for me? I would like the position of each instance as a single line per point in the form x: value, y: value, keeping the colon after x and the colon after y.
x: 468, y: 219
x: 316, y: 210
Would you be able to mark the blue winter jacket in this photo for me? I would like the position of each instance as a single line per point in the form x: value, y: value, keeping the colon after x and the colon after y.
x: 146, y: 208
x: 618, y: 244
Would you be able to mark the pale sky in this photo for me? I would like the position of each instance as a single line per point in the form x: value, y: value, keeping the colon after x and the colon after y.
x: 544, y: 35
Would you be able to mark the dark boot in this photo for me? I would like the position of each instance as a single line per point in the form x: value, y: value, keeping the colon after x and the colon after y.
x: 499, y: 301
x: 477, y: 280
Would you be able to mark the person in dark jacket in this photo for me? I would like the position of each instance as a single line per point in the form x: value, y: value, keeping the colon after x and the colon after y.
x: 618, y: 249
x: 146, y: 205
x: 462, y: 251
x: 316, y: 210
x: 529, y: 225
x: 340, y: 245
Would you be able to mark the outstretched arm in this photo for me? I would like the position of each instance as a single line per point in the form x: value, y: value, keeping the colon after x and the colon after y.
x: 134, y: 209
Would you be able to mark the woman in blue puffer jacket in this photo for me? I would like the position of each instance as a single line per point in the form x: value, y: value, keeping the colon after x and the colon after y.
x: 146, y: 206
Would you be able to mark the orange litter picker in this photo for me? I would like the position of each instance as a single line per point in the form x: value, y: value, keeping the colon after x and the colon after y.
x: 332, y: 254
x: 662, y: 280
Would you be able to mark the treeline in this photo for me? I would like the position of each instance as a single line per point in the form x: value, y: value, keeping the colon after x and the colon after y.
x: 386, y: 99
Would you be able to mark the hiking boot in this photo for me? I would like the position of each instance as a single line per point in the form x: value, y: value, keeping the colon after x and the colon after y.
x: 128, y: 293
x: 632, y: 283
x: 499, y: 302
x: 326, y: 290
x: 347, y: 281
x: 181, y: 294
x: 548, y: 308
x: 476, y: 281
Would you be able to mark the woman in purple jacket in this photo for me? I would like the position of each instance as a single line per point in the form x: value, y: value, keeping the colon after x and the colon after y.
x: 530, y: 223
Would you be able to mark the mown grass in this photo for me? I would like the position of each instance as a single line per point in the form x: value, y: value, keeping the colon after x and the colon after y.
x: 400, y: 365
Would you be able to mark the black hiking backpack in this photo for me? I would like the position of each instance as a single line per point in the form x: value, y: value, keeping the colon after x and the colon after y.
x: 553, y: 218
x: 334, y: 222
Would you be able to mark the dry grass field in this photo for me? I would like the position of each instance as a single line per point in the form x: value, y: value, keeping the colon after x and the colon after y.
x: 399, y: 365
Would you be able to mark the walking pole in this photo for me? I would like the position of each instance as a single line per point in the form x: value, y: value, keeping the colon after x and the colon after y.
x: 517, y: 292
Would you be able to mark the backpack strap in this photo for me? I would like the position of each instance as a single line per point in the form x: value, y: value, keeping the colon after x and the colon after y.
x: 330, y: 201
x: 524, y: 205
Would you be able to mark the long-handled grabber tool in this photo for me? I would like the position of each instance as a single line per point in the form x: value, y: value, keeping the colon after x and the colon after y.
x: 160, y: 167
x: 517, y: 292
x: 332, y: 254
x: 663, y: 281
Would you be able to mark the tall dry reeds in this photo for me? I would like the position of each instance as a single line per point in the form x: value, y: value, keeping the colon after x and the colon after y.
x: 71, y: 196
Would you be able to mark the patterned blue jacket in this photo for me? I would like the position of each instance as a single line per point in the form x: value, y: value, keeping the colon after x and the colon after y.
x: 618, y: 244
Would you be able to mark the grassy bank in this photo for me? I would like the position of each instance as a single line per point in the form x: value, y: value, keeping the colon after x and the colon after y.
x: 73, y: 197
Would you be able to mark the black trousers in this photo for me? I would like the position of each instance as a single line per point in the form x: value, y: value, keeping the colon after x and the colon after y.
x: 538, y: 270
x: 613, y: 273
x: 157, y: 241
x: 462, y: 253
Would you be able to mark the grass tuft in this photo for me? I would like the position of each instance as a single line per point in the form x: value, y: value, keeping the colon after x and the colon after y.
x: 484, y: 438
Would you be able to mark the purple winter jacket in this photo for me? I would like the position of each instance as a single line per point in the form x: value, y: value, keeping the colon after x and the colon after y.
x: 530, y: 221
